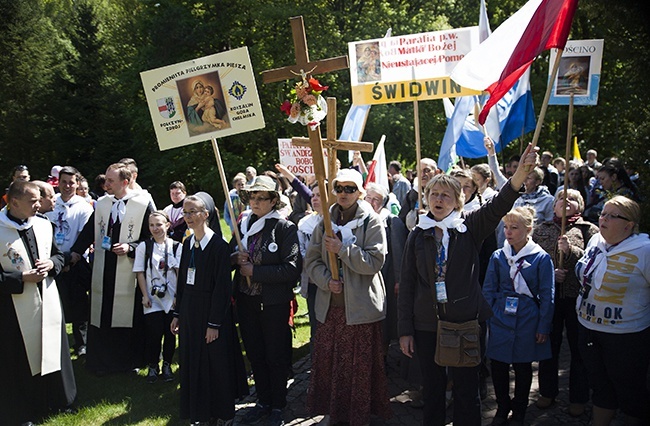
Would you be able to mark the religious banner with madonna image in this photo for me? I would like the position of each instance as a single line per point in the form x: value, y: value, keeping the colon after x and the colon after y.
x: 193, y: 101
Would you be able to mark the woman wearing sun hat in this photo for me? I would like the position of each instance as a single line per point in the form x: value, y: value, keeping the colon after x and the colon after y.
x: 265, y: 275
x: 348, y: 383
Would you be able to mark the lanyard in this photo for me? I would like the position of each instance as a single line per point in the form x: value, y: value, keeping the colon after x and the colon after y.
x: 440, y: 259
x: 520, y: 266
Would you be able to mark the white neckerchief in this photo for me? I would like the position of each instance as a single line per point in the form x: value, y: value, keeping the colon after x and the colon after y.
x: 452, y: 221
x: 61, y: 207
x: 488, y: 194
x: 118, y: 209
x: 473, y: 204
x: 307, y: 224
x: 5, y: 221
x: 384, y: 215
x: 598, y: 247
x: 257, y: 226
x: 347, y: 238
x: 517, y: 263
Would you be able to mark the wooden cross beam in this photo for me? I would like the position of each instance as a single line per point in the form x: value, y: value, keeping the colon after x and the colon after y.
x: 304, y: 67
x: 331, y: 143
x: 302, y: 58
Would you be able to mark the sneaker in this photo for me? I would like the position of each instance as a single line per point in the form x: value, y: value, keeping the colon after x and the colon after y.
x: 167, y: 374
x: 544, y: 402
x: 152, y: 375
x: 276, y: 418
x: 257, y: 413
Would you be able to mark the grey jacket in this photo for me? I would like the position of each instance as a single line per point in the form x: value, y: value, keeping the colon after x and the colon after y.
x: 361, y: 262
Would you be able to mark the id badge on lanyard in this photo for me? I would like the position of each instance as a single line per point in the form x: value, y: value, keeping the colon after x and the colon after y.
x: 511, y: 305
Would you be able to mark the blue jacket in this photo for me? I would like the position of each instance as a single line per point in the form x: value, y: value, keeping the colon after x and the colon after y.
x: 512, y: 337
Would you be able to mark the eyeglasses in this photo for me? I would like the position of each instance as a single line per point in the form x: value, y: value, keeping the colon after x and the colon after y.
x: 258, y: 199
x: 191, y: 213
x: 347, y: 189
x: 613, y: 216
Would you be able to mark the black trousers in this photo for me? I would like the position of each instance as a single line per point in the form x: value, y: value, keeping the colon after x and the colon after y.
x: 564, y: 316
x: 467, y: 404
x: 618, y: 368
x: 157, y: 326
x: 267, y: 339
x: 501, y: 381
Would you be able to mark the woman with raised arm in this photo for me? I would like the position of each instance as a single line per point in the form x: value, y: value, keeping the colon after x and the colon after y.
x: 442, y: 253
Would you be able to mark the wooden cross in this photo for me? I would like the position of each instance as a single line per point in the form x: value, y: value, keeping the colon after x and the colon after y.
x: 305, y: 67
x: 302, y: 58
x: 331, y: 143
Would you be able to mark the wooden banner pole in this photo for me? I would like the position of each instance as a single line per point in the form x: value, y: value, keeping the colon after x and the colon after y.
x: 418, y: 154
x: 224, y: 182
x: 547, y: 96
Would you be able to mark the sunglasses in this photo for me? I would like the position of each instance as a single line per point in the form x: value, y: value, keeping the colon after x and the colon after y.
x: 258, y: 199
x: 347, y: 189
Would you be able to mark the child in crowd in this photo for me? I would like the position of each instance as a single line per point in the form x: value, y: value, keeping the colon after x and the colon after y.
x: 156, y: 265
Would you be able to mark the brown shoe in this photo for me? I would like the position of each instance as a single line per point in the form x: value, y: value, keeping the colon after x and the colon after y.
x: 544, y: 402
x: 576, y: 409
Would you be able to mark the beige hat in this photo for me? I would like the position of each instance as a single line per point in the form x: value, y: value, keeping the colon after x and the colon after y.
x: 261, y: 183
x: 349, y: 175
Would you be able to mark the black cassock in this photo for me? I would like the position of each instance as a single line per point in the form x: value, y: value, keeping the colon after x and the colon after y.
x: 212, y: 375
x: 114, y: 349
x: 24, y: 397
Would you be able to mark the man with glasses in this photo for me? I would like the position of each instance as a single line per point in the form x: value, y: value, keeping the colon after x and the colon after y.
x: 70, y: 215
x: 409, y: 204
x: 118, y: 225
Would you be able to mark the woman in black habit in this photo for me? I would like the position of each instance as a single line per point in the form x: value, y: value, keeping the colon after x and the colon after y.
x: 212, y: 373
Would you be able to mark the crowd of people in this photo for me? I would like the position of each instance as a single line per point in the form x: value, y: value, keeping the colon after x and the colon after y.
x: 516, y: 251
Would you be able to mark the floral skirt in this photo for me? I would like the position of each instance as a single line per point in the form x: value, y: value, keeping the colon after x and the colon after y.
x: 348, y: 380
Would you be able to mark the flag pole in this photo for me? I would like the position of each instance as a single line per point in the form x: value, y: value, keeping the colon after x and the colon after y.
x: 418, y: 154
x: 224, y: 182
x: 569, y: 132
x: 547, y: 96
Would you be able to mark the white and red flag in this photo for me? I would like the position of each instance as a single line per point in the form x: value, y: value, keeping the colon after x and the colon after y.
x: 498, y: 63
x: 378, y: 168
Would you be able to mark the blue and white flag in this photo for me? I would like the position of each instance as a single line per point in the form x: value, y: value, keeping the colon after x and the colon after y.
x: 513, y: 116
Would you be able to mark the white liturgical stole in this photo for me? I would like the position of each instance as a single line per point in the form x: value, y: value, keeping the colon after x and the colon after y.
x: 125, y: 280
x: 39, y: 313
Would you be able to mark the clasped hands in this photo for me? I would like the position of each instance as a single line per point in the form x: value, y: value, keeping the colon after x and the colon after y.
x: 39, y: 272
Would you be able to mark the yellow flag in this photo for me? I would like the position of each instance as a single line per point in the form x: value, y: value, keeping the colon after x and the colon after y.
x: 576, y: 150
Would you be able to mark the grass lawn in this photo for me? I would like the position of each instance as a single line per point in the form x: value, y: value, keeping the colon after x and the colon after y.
x: 126, y: 399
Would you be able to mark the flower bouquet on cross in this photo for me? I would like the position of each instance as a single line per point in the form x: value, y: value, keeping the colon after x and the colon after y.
x: 306, y: 105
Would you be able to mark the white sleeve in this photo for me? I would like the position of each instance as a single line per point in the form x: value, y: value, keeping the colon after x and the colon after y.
x: 138, y: 264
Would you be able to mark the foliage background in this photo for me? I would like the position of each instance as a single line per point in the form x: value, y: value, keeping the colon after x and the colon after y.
x: 71, y: 91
